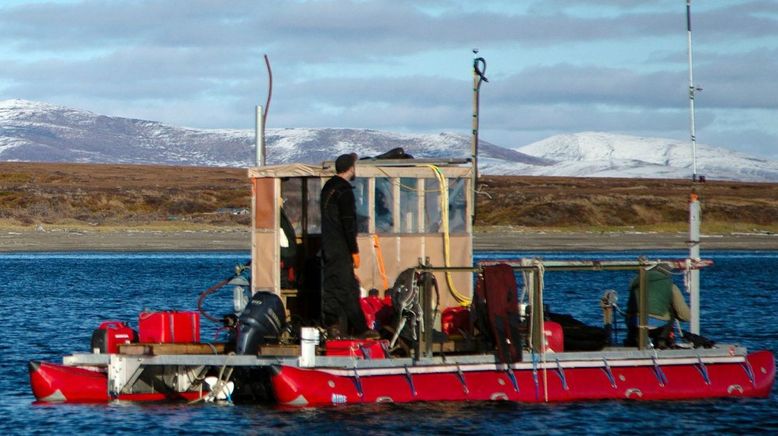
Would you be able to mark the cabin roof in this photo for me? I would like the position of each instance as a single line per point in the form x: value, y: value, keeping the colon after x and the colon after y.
x: 370, y: 168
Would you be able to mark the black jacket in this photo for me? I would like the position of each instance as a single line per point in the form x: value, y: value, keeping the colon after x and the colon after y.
x: 338, y: 218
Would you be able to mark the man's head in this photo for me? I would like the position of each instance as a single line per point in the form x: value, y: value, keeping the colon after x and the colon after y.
x: 344, y: 165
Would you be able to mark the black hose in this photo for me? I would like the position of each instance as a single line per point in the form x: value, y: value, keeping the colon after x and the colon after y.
x: 208, y: 292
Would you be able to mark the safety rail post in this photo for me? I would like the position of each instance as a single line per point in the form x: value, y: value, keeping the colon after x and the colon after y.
x: 537, y: 334
x: 427, y: 311
x: 642, y: 310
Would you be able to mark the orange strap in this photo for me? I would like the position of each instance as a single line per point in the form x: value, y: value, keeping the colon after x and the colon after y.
x: 380, y: 259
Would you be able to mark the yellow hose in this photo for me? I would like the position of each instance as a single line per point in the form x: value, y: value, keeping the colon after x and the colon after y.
x: 443, y: 183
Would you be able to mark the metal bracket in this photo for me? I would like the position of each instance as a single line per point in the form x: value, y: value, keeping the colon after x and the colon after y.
x: 749, y: 372
x: 462, y: 380
x: 512, y: 376
x: 358, y: 384
x: 123, y: 371
x: 703, y: 370
x: 561, y: 373
x: 187, y: 376
x: 409, y: 377
x: 660, y: 375
x: 609, y: 373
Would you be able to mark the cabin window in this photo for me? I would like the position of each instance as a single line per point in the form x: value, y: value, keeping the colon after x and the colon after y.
x: 292, y: 202
x: 432, y: 206
x: 409, y: 205
x: 362, y: 201
x: 384, y: 205
x: 314, y: 211
x: 457, y: 213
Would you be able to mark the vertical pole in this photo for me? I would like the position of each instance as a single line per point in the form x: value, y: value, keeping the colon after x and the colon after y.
x: 642, y: 311
x: 538, y: 334
x: 694, y: 204
x: 474, y: 142
x: 692, y: 90
x: 530, y: 311
x: 259, y: 136
x: 427, y: 311
x: 694, y: 254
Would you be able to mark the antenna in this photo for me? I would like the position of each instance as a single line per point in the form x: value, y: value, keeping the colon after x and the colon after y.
x: 261, y: 118
x: 479, y: 71
x: 695, y: 217
x: 692, y: 90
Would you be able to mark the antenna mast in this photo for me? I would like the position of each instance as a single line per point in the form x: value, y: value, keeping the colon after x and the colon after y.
x: 479, y: 69
x: 261, y: 119
x: 692, y: 89
x: 694, y: 203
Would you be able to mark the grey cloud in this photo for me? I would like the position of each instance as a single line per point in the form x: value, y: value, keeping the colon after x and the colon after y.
x: 568, y: 118
x: 749, y: 141
x: 332, y: 30
x: 187, y: 54
x: 742, y: 80
x: 570, y: 84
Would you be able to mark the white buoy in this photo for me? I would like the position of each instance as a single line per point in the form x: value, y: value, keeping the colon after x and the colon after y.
x: 220, y: 391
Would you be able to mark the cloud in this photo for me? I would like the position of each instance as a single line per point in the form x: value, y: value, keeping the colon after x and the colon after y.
x: 555, y: 66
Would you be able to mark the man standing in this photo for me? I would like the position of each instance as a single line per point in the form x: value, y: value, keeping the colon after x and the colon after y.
x: 340, y: 254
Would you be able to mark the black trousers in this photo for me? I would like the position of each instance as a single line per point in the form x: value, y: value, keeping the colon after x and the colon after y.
x: 340, y: 296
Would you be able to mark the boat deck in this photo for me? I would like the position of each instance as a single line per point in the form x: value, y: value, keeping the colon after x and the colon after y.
x: 611, y: 355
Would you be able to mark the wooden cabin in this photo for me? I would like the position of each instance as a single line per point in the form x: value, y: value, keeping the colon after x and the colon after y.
x: 408, y: 211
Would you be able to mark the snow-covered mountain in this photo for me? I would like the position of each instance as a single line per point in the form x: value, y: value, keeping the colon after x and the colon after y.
x: 33, y: 131
x: 595, y: 154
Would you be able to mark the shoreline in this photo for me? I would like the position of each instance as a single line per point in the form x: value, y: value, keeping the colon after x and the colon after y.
x: 232, y: 239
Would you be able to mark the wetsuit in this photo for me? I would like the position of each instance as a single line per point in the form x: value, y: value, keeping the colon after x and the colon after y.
x: 340, y: 292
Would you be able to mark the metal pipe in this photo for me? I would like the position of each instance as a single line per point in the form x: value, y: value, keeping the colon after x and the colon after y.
x: 642, y: 310
x: 478, y: 79
x: 259, y: 137
x: 692, y: 90
x: 694, y: 255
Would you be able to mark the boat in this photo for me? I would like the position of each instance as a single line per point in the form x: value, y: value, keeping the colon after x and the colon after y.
x: 431, y: 236
x: 452, y: 329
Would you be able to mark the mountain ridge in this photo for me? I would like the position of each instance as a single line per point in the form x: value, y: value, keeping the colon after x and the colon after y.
x: 43, y: 132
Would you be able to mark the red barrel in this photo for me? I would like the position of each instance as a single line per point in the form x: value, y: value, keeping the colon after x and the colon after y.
x: 171, y: 326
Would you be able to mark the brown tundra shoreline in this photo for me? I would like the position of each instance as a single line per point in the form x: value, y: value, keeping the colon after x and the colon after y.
x: 234, y: 239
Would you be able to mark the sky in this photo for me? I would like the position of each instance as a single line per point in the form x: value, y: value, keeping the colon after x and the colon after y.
x: 554, y: 66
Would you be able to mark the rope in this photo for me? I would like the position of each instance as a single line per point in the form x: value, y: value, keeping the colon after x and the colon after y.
x: 541, y: 272
x: 443, y: 183
x: 379, y: 257
x: 220, y: 385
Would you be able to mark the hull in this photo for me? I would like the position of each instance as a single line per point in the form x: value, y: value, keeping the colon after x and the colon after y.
x: 648, y: 379
x: 53, y: 383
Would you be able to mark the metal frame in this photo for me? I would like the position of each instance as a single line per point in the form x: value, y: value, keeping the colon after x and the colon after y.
x: 536, y: 334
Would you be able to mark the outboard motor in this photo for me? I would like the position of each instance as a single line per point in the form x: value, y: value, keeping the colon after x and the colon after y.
x: 262, y: 320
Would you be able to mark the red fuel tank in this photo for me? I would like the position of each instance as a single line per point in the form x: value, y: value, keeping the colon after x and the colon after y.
x: 169, y: 327
x: 111, y: 334
x: 358, y: 348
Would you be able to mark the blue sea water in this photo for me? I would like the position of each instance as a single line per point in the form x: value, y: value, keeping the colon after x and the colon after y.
x: 51, y: 302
